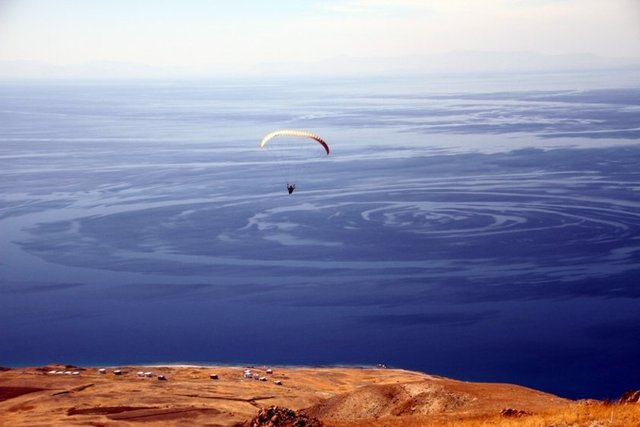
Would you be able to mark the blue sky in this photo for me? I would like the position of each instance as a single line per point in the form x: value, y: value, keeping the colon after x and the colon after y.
x: 237, y: 35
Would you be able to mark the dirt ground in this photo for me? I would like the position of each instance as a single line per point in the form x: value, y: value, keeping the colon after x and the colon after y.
x: 58, y: 395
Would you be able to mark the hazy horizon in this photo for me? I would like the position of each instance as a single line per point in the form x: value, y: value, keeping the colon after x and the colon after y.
x: 455, y: 62
x: 199, y: 38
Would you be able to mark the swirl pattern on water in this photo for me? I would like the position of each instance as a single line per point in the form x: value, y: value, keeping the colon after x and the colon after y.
x: 547, y: 224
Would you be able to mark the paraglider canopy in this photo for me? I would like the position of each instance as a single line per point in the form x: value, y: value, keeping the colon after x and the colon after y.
x: 293, y: 152
x: 295, y: 133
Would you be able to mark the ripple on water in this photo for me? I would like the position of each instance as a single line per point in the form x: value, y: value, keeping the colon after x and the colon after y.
x: 540, y: 220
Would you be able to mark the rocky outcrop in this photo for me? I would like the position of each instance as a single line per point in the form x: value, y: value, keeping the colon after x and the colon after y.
x: 632, y: 396
x: 275, y: 416
x: 513, y: 413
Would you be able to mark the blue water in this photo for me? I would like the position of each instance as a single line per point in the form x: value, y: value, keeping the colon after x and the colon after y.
x: 473, y: 229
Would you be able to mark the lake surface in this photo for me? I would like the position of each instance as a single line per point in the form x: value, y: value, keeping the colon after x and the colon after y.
x: 486, y: 229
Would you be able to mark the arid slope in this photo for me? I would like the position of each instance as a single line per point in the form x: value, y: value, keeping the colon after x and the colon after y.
x: 62, y: 395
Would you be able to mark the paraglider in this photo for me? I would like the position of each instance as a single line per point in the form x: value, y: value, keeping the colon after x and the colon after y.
x: 294, y: 148
x: 295, y: 133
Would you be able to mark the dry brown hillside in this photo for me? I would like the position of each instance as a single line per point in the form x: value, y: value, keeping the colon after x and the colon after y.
x: 432, y: 396
x: 225, y: 396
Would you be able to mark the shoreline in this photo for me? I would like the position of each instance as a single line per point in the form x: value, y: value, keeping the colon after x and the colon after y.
x: 208, y: 365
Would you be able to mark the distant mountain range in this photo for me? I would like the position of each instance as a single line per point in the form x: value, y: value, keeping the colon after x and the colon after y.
x: 456, y: 61
x: 449, y: 62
